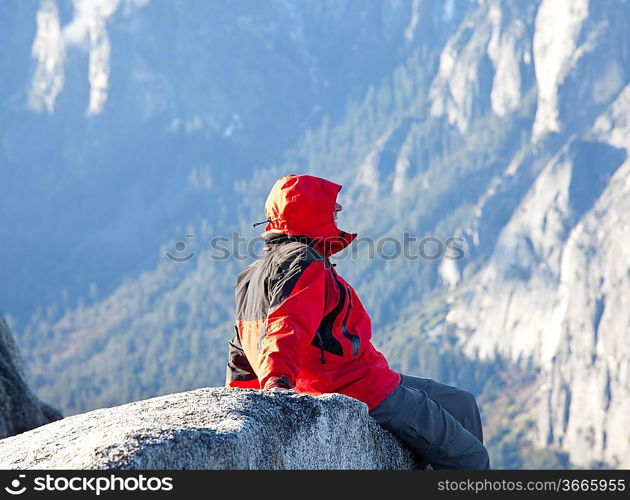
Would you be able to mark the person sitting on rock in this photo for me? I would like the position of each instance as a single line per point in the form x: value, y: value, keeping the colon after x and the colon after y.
x: 300, y: 326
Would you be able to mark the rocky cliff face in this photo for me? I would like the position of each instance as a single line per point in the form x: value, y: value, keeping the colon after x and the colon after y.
x: 20, y: 410
x: 214, y: 428
x: 553, y: 293
x: 545, y: 279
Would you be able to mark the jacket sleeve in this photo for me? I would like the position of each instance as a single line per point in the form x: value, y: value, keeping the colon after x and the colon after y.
x: 239, y: 372
x: 294, y: 316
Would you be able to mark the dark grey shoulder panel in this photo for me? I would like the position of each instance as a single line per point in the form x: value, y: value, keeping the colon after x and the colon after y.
x: 291, y: 266
x: 244, y: 305
x: 269, y: 281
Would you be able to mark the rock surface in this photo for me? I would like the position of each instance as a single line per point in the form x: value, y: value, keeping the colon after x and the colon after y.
x: 214, y: 428
x: 20, y: 410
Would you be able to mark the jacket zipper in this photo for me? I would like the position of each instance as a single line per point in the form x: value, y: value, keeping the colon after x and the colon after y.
x: 321, y: 347
x: 354, y: 339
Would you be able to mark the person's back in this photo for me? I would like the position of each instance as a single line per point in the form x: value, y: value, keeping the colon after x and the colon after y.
x: 299, y: 325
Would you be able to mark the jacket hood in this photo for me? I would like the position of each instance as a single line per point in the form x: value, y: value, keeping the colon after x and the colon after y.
x: 303, y: 205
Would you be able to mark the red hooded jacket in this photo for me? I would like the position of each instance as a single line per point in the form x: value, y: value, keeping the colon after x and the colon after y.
x: 298, y: 323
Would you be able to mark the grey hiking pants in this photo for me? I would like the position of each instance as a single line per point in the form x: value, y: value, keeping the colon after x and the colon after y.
x: 441, y: 423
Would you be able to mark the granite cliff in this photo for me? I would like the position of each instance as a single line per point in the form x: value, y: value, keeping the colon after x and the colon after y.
x: 20, y: 409
x: 214, y: 428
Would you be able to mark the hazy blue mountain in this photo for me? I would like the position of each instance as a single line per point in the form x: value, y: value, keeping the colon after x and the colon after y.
x: 502, y: 123
x: 124, y: 121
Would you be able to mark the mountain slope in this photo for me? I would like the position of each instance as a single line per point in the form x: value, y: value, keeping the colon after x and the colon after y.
x: 123, y: 121
x: 553, y: 293
x: 503, y: 123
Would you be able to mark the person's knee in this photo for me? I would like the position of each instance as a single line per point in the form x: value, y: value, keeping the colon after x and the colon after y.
x: 464, y: 454
x: 469, y: 399
x: 477, y: 458
x: 482, y: 459
x: 469, y: 402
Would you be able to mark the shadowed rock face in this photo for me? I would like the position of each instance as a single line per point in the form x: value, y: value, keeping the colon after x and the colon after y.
x: 214, y: 428
x: 20, y: 410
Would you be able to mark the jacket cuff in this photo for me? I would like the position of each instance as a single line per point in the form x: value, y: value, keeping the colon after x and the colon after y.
x: 278, y: 382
